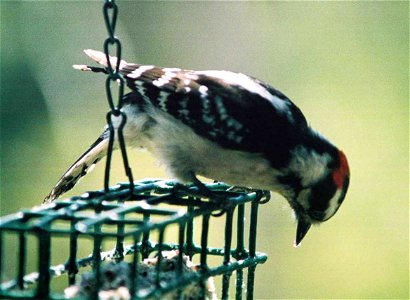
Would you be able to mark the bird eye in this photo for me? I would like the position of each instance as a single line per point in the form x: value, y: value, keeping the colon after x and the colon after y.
x: 321, y: 195
x: 317, y: 215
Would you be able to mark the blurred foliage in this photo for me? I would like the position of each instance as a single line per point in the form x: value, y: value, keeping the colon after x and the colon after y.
x: 345, y: 64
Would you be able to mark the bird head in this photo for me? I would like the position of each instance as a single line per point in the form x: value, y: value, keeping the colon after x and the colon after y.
x: 321, y: 199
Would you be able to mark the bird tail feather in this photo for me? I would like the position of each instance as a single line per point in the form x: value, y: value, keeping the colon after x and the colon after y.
x: 101, y: 58
x: 81, y: 167
x: 98, y: 149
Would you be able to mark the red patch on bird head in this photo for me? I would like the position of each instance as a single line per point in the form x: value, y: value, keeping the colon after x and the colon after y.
x: 342, y: 172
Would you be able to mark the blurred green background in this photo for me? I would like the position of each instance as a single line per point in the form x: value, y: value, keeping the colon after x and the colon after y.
x: 345, y: 64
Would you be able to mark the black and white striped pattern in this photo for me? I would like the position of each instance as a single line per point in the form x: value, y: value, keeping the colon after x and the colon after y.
x: 228, y: 127
x: 232, y: 109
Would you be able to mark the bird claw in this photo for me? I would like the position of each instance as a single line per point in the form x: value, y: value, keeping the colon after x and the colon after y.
x: 262, y: 196
x: 222, y: 202
x: 204, y: 192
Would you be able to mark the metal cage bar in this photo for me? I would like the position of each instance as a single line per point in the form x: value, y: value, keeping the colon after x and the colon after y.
x: 154, y: 206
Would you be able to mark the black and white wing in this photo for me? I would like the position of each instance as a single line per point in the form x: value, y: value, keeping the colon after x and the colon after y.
x: 234, y: 110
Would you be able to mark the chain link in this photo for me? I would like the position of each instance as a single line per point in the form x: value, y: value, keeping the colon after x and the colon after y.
x: 110, y: 12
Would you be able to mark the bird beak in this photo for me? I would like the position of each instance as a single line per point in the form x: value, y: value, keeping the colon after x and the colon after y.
x: 302, y: 229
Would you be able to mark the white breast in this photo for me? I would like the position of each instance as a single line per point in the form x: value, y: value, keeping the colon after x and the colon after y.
x: 185, y: 153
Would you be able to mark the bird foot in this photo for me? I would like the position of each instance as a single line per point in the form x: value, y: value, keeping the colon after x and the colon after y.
x: 262, y: 196
x: 204, y: 192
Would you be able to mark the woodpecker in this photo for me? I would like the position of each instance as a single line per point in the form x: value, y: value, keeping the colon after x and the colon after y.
x: 225, y: 126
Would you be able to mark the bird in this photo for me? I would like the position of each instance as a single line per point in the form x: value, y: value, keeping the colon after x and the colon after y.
x: 224, y: 126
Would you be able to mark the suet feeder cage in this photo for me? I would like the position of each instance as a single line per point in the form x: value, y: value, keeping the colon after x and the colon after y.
x: 132, y: 231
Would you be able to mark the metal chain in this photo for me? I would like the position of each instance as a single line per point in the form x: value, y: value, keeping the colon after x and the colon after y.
x: 110, y: 11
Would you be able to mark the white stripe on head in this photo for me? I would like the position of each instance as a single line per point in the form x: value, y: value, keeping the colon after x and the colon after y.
x: 309, y: 165
x: 333, y: 204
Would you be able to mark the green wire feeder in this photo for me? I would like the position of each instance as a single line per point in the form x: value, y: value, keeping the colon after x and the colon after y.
x: 141, y: 265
